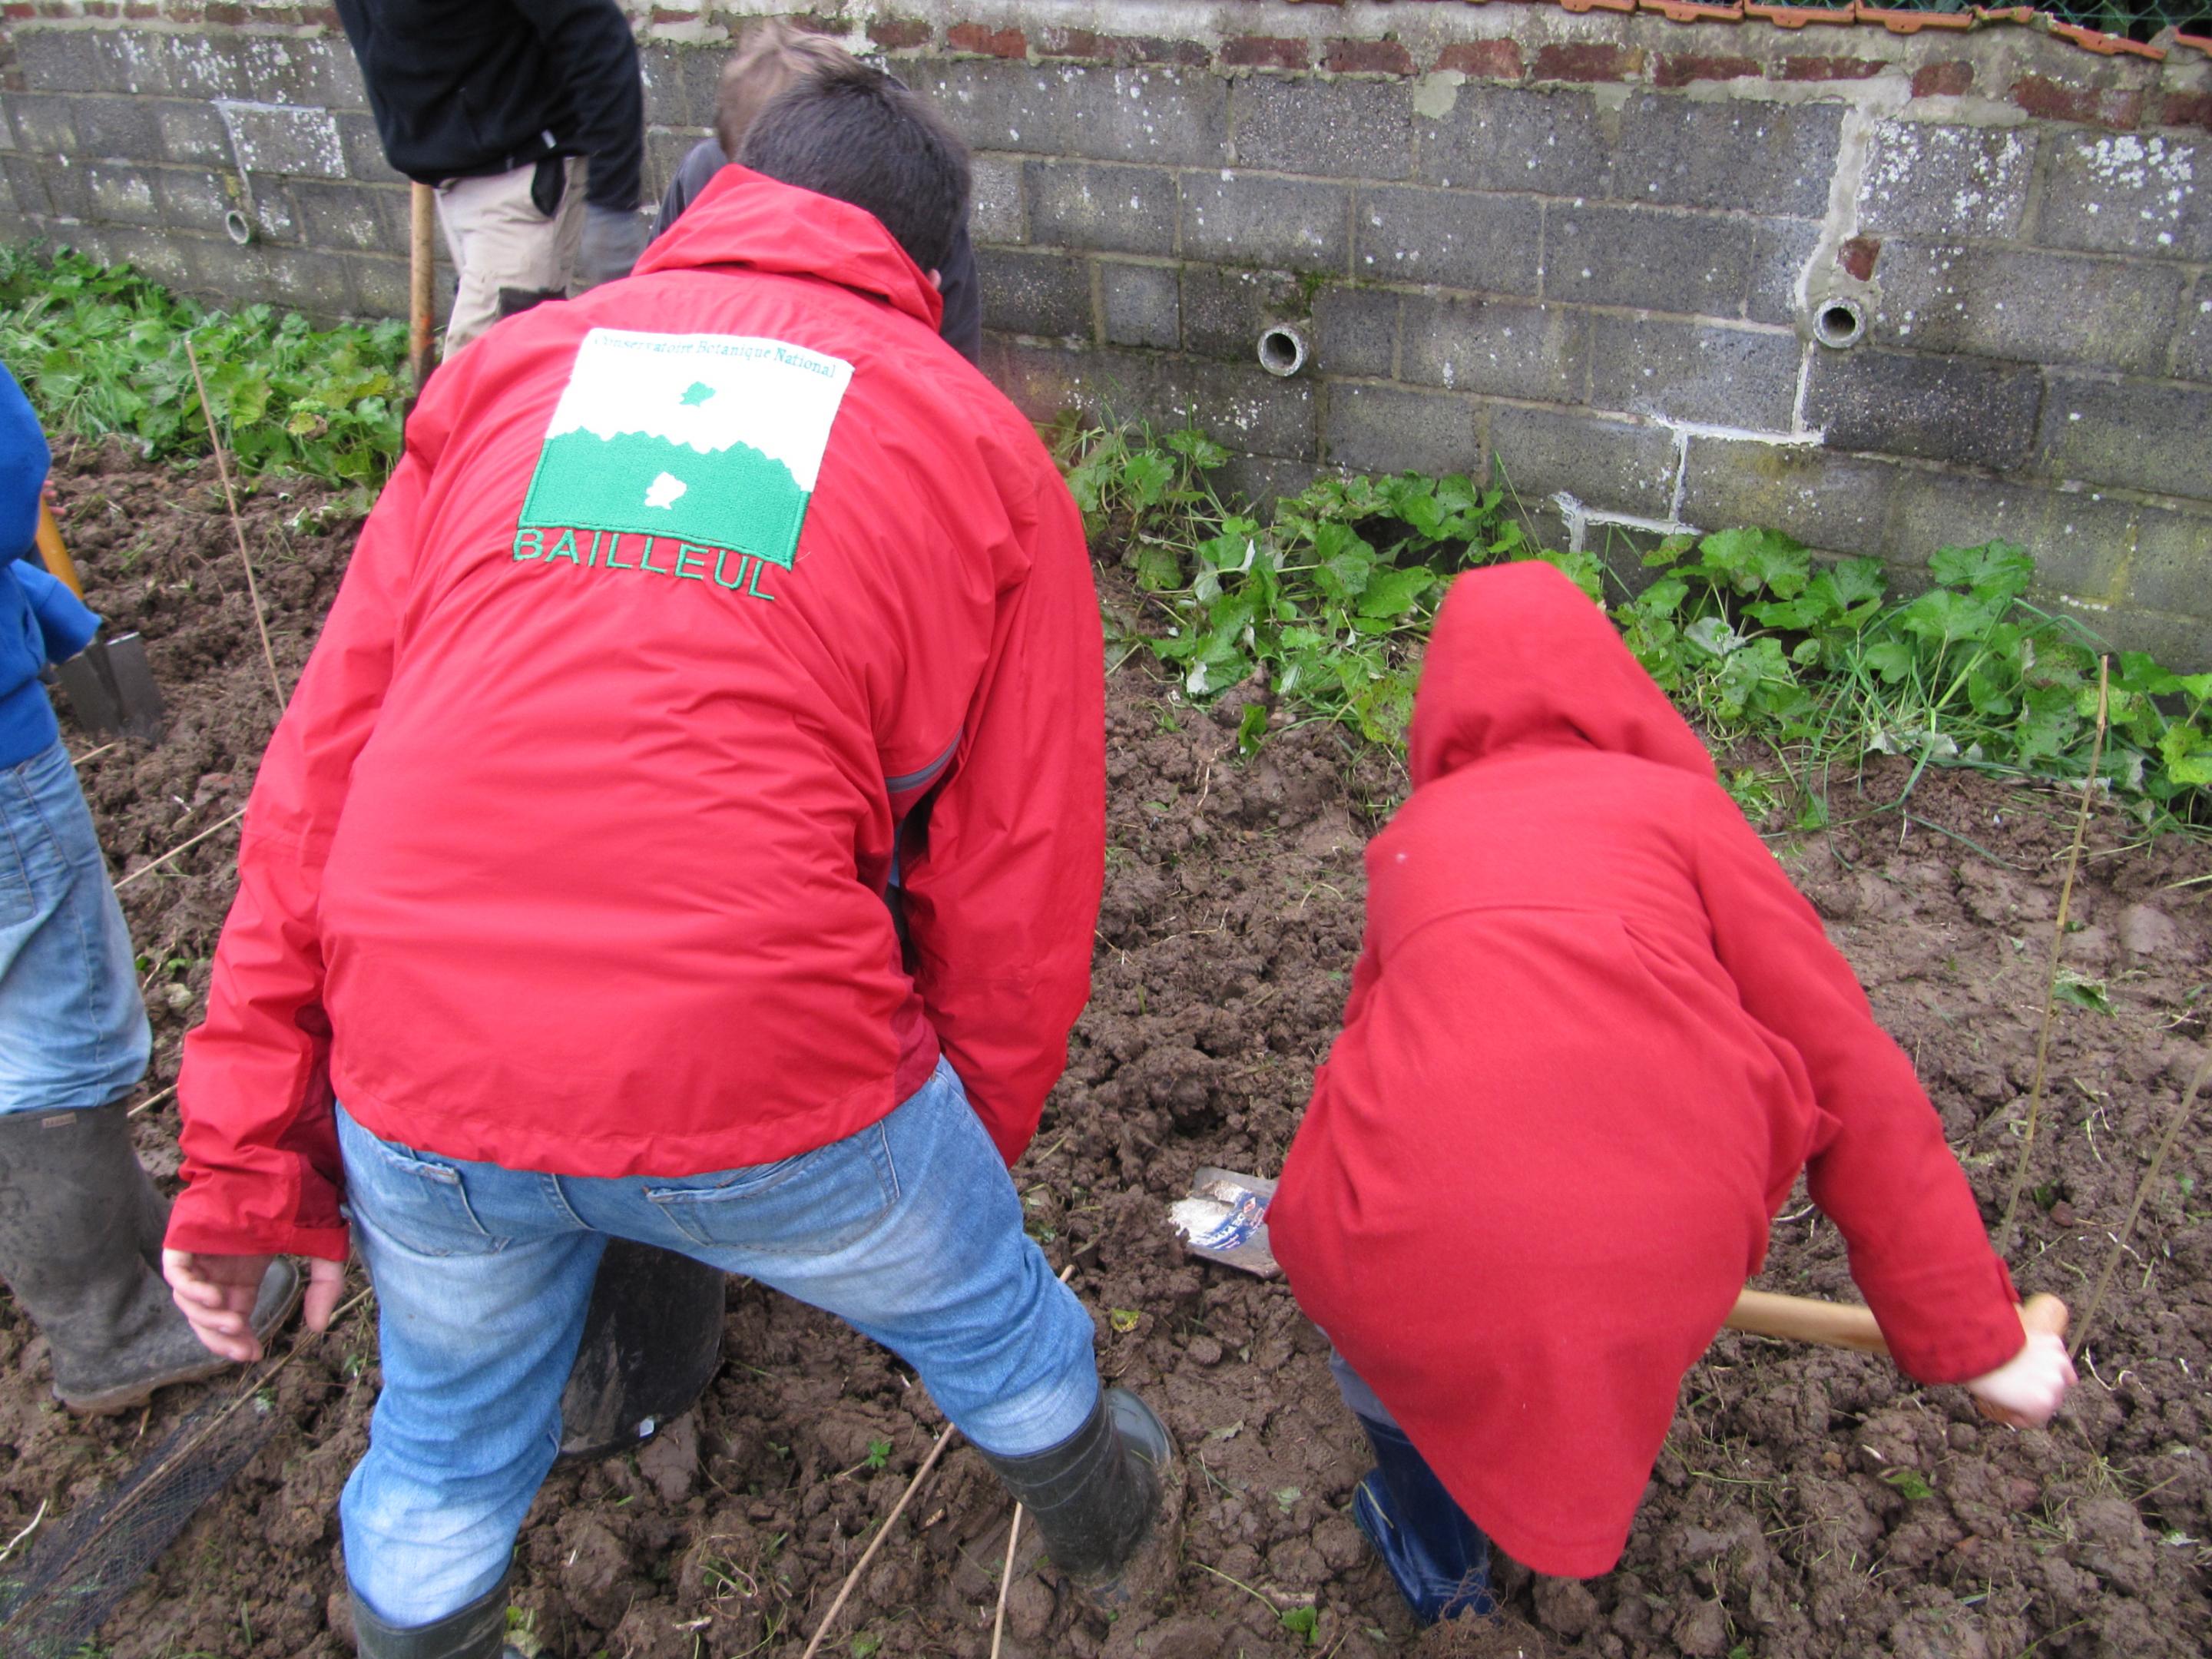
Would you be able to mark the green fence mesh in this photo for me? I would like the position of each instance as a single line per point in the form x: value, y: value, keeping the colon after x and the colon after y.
x: 2134, y: 20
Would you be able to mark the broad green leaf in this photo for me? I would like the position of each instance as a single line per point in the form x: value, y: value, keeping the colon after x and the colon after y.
x: 1394, y: 593
x: 1157, y: 568
x: 1996, y: 570
x: 2187, y: 752
x: 1752, y: 559
x: 1713, y: 636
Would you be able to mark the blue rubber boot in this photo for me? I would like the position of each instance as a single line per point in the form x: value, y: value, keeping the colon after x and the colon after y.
x: 1438, y: 1557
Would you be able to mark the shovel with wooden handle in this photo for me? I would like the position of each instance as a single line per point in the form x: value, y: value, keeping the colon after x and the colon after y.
x: 109, y: 684
x: 1847, y: 1325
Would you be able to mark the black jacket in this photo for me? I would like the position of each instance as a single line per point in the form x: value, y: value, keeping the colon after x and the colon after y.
x: 962, y: 328
x: 464, y: 88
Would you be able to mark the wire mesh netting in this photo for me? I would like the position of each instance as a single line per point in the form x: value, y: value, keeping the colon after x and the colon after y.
x: 2132, y: 20
x: 53, y: 1600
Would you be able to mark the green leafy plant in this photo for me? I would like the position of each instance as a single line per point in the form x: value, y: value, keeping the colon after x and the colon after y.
x: 1301, y: 1622
x: 100, y: 350
x: 1910, y: 1482
x: 1754, y: 635
x: 1326, y: 603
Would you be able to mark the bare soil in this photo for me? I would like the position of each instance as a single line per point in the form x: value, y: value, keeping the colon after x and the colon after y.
x: 1808, y: 1502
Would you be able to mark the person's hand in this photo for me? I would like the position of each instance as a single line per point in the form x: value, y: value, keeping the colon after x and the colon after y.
x: 216, y: 1293
x: 2027, y: 1390
x: 613, y: 239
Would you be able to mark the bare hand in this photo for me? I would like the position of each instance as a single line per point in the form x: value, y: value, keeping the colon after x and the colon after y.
x: 2027, y: 1389
x: 216, y: 1293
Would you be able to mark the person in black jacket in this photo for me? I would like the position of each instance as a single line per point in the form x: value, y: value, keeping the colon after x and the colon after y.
x: 501, y: 104
x: 769, y: 56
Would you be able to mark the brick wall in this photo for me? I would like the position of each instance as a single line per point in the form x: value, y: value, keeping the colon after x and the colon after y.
x: 1586, y: 249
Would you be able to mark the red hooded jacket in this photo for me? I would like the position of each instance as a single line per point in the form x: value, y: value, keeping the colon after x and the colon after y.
x: 570, y: 853
x: 1593, y: 1036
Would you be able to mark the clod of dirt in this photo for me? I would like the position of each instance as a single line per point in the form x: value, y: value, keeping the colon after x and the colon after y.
x: 1565, y: 1605
x: 670, y: 1461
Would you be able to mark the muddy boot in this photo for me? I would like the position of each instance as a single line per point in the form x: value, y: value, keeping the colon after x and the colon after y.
x: 1106, y: 1501
x: 1439, y: 1560
x: 74, y: 1210
x: 479, y: 1631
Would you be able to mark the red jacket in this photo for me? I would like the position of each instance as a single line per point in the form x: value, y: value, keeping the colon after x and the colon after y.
x: 1593, y: 1036
x: 570, y: 853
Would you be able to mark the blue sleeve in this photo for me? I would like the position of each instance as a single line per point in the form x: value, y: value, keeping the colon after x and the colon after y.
x: 63, y: 617
x: 23, y: 462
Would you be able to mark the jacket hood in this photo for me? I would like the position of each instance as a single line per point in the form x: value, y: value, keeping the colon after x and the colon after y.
x: 1521, y: 657
x: 749, y: 221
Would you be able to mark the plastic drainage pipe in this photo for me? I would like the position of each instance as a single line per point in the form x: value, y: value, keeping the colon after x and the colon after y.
x: 1840, y: 323
x: 1282, y: 350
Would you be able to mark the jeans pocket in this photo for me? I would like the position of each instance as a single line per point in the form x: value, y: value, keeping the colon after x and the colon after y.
x: 809, y: 1205
x: 420, y: 1203
x: 34, y: 813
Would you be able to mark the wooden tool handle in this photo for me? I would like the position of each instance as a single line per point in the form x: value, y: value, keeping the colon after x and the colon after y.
x: 422, y: 283
x: 59, y: 565
x: 1847, y: 1325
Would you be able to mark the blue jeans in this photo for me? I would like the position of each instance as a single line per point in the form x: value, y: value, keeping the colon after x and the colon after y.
x: 910, y: 1231
x: 73, y: 1030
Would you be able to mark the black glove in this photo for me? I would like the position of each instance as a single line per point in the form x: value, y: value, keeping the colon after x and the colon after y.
x: 613, y: 238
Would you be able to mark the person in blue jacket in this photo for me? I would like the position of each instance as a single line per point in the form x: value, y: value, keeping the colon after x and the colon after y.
x: 81, y: 1224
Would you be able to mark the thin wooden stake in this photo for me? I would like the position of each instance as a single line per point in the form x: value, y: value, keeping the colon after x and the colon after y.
x: 149, y: 1103
x: 876, y: 1543
x: 422, y: 280
x: 237, y: 528
x: 1005, y: 1581
x: 2002, y: 1239
x: 845, y: 1590
x: 182, y: 847
x: 2143, y: 1192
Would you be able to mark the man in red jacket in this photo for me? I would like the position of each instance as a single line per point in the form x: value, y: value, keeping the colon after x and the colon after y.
x: 1592, y: 1038
x: 560, y: 900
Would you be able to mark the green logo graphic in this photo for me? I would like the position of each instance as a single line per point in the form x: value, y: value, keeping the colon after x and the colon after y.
x: 712, y: 439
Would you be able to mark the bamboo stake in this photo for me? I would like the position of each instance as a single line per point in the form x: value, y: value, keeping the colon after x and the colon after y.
x: 2003, y: 1239
x: 845, y: 1590
x: 1006, y: 1582
x: 237, y: 528
x: 2143, y: 1192
x: 149, y: 1103
x: 876, y: 1543
x: 182, y: 847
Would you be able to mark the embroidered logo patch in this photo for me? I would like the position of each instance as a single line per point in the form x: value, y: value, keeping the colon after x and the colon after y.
x: 709, y: 439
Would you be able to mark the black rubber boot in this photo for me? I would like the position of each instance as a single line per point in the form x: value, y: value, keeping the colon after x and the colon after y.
x: 79, y: 1233
x: 1105, y: 1501
x: 479, y: 1631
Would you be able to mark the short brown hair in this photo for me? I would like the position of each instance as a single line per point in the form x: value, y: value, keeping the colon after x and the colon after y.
x: 770, y: 55
x: 853, y: 133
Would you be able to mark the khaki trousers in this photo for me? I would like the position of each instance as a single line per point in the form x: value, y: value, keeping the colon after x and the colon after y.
x: 497, y: 239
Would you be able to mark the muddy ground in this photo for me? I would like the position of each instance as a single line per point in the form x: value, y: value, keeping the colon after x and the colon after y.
x: 1807, y: 1504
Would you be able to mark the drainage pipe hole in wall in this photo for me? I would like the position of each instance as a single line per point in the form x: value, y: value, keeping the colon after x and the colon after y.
x: 1282, y: 350
x: 239, y: 226
x: 1839, y: 324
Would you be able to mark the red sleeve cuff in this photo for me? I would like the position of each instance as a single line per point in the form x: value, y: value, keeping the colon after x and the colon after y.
x: 1949, y: 1329
x: 201, y: 1223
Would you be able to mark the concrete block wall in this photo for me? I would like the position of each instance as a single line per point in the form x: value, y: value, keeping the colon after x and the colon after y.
x: 1587, y: 252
